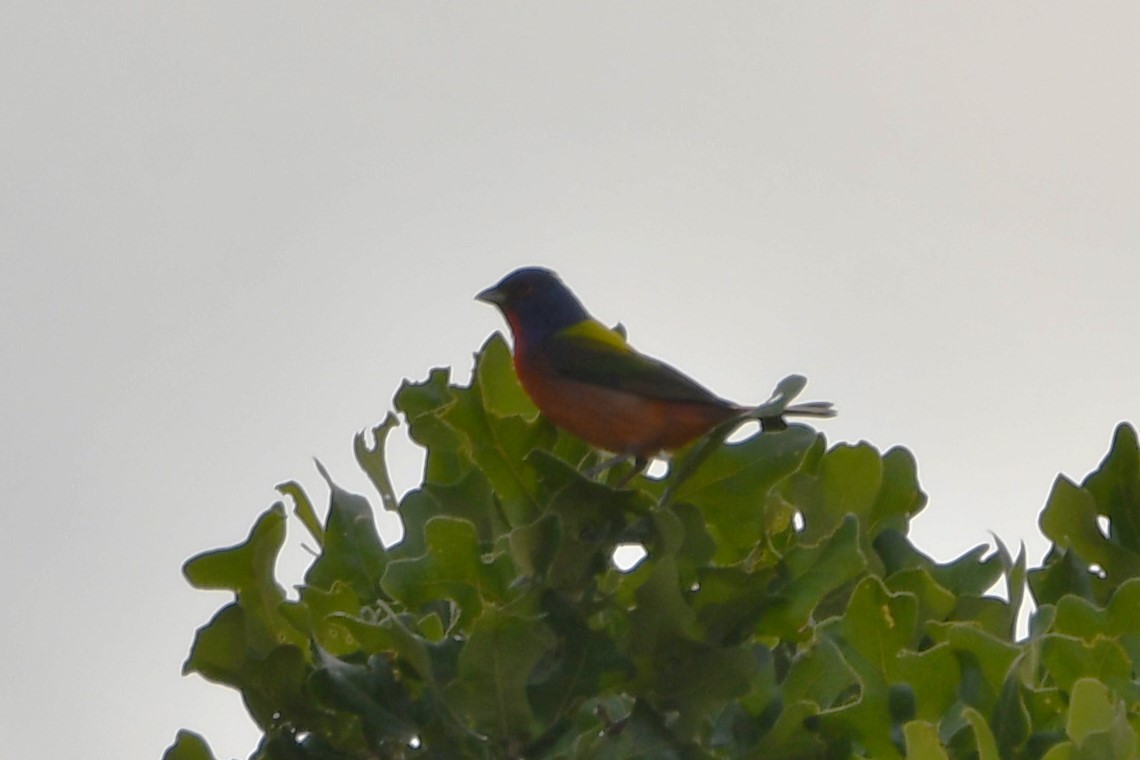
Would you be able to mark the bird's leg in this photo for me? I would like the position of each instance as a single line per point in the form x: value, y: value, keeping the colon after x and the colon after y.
x: 639, y: 465
x: 607, y: 464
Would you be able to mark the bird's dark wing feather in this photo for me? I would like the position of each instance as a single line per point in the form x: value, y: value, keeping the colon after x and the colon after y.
x: 605, y: 359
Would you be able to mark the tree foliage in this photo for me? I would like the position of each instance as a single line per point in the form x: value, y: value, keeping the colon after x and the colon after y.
x: 780, y: 611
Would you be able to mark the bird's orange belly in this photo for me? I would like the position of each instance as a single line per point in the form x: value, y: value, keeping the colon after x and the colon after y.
x: 619, y: 421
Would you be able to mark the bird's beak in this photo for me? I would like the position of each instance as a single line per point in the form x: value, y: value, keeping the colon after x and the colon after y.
x: 492, y: 295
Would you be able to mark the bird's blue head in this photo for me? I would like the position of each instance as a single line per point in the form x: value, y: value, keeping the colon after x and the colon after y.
x: 535, y: 303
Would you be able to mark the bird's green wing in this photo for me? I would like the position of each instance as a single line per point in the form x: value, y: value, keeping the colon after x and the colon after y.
x: 592, y: 353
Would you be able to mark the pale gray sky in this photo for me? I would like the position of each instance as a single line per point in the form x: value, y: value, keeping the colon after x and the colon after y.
x: 228, y: 230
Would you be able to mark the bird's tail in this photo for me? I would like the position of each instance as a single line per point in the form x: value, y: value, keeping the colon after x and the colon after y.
x: 772, y: 423
x: 811, y: 409
x: 772, y: 412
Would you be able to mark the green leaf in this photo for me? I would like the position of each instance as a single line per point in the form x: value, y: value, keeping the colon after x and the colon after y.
x: 577, y: 665
x: 452, y: 567
x: 697, y: 546
x: 1098, y: 723
x: 370, y: 690
x: 467, y: 499
x: 494, y: 670
x: 352, y: 550
x: 477, y: 441
x: 743, y: 722
x: 847, y: 481
x: 985, y: 659
x: 971, y: 574
x: 935, y: 601
x: 877, y: 637
x: 372, y: 460
x: 675, y: 666
x: 790, y: 740
x: 303, y: 509
x: 502, y: 394
x: 495, y: 439
x: 1120, y: 619
x: 1083, y: 560
x: 311, y: 612
x: 1091, y: 709
x: 387, y: 635
x: 661, y: 615
x: 247, y: 567
x: 934, y: 676
x: 731, y: 604
x: 188, y: 746
x: 1115, y: 486
x: 877, y: 624
x: 1070, y: 521
x: 1045, y: 707
x: 900, y: 498
x: 592, y: 517
x: 697, y: 679
x: 273, y: 688
x: 810, y: 572
x: 853, y: 479
x: 234, y: 649
x: 984, y: 741
x: 496, y: 447
x: 1011, y: 721
x: 1063, y: 573
x: 922, y: 741
x: 422, y: 405
x: 641, y: 735
x: 966, y: 577
x: 218, y: 652
x: 730, y: 486
x: 535, y: 546
x: 1079, y: 617
x: 1015, y: 575
x: 247, y: 570
x: 1069, y: 659
x: 820, y: 675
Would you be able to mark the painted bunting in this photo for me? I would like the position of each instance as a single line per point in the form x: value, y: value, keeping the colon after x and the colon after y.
x: 586, y: 378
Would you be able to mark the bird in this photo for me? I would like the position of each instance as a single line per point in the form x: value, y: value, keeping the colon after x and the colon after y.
x: 587, y: 379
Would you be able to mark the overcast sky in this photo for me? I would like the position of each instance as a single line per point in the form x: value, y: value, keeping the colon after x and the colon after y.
x: 229, y: 230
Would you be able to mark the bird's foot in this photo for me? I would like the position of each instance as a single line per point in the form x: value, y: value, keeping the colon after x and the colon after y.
x: 639, y: 465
